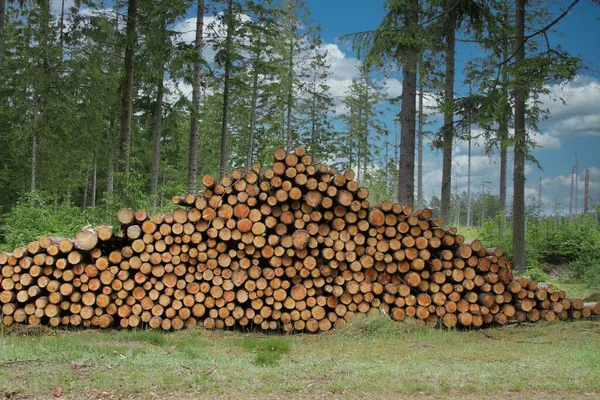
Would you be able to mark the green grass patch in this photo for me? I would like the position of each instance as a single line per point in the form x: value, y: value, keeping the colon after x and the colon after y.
x: 268, y: 350
x: 470, y: 233
x: 575, y: 289
x: 367, y: 358
x: 156, y: 338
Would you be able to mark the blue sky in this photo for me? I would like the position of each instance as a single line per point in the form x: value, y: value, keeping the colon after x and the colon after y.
x: 572, y: 128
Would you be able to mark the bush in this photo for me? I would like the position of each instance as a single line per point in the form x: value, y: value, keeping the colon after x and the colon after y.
x: 552, y: 241
x: 40, y: 214
x: 36, y: 216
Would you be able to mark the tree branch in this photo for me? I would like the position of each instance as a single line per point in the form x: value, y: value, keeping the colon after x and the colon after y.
x: 543, y: 30
x: 551, y: 24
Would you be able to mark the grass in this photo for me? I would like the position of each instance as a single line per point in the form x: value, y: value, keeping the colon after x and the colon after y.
x: 470, y: 233
x: 369, y: 357
x: 575, y: 288
x: 268, y: 350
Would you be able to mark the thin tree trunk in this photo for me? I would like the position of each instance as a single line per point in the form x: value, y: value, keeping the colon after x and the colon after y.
x: 420, y: 144
x: 290, y: 98
x: 94, y: 183
x: 33, y: 163
x: 110, y: 169
x: 469, y: 181
x: 2, y: 16
x: 85, y: 195
x: 156, y: 141
x: 366, y: 131
x: 41, y: 114
x: 359, y: 145
x: 396, y: 151
x: 406, y: 165
x: 252, y: 115
x: 387, y: 167
x: 127, y: 95
x: 158, y: 110
x: 313, y: 118
x: 519, y: 158
x: 448, y: 129
x: 195, y: 111
x: 503, y: 137
x: 227, y: 78
x: 503, y: 133
x: 62, y: 30
x: 164, y: 182
x: 69, y: 176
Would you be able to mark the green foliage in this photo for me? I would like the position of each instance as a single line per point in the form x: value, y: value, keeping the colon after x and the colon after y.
x: 37, y: 215
x: 42, y: 214
x: 268, y: 351
x: 552, y: 241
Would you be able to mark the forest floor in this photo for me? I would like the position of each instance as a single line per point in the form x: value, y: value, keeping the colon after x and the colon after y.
x: 368, y: 358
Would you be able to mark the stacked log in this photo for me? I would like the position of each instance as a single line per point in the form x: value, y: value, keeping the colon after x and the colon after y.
x: 296, y: 247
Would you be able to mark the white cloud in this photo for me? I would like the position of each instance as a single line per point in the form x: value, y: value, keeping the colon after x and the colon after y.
x: 574, y: 110
x: 342, y: 68
x: 545, y: 141
x: 393, y: 87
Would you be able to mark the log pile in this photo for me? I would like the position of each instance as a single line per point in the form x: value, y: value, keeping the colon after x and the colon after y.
x: 296, y: 247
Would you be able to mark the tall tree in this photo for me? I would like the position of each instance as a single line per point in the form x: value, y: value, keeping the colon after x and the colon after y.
x: 315, y: 105
x: 518, y: 209
x: 406, y: 164
x: 535, y: 73
x: 127, y: 87
x: 454, y: 13
x: 227, y: 55
x: 296, y: 29
x: 399, y: 39
x: 2, y: 17
x: 362, y: 121
x: 195, y: 106
x: 448, y: 128
x: 420, y: 134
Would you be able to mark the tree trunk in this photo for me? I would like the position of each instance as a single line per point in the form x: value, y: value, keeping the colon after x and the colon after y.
x: 469, y: 181
x: 94, y: 184
x: 43, y: 92
x: 156, y: 141
x: 110, y: 168
x: 406, y: 165
x: 85, y: 195
x: 127, y: 94
x: 359, y: 147
x: 503, y: 133
x: 313, y: 120
x: 253, y: 114
x: 227, y: 77
x: 519, y: 158
x: 2, y: 16
x: 62, y: 30
x: 420, y: 145
x: 503, y: 137
x: 366, y: 133
x: 448, y: 128
x: 195, y: 111
x: 290, y: 98
x: 158, y: 110
x: 33, y: 163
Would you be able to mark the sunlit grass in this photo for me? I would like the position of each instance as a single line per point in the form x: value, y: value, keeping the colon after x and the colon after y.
x: 369, y: 357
